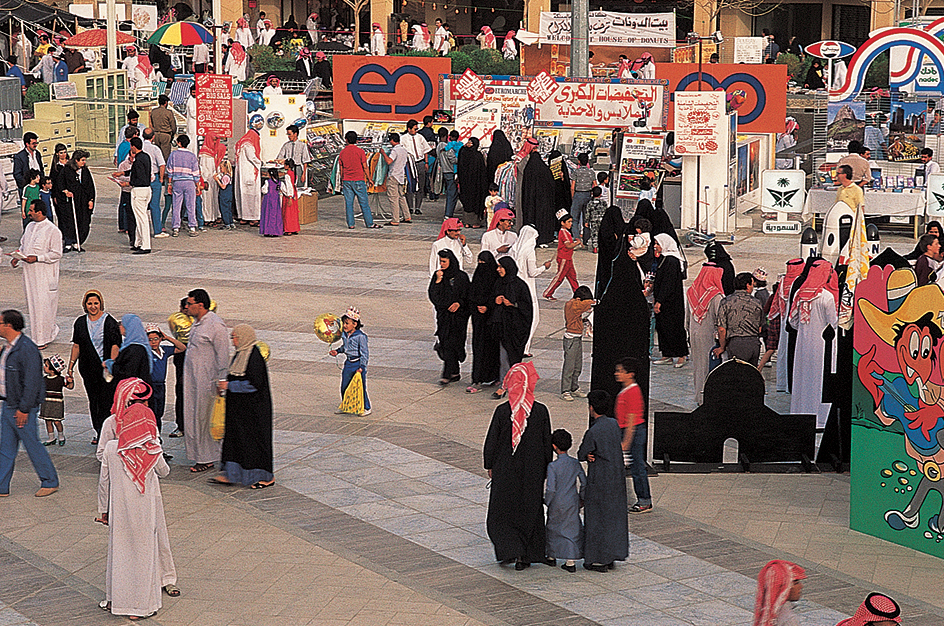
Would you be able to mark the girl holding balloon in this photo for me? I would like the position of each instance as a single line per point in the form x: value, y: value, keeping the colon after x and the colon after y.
x: 354, y: 347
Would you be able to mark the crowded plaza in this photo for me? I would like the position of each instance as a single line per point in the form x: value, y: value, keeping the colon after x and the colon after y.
x: 368, y: 313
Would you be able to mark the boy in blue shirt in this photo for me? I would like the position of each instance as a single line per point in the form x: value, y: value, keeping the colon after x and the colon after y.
x: 159, y: 357
x: 45, y: 194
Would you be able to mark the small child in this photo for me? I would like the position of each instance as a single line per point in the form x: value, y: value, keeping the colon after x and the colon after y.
x: 30, y: 193
x: 490, y: 202
x: 778, y: 582
x: 354, y: 346
x: 575, y: 311
x: 289, y: 191
x: 45, y: 194
x: 224, y: 180
x: 630, y: 410
x: 595, y: 210
x: 565, y: 256
x: 53, y: 409
x: 159, y: 358
x: 564, y: 499
x: 270, y: 220
x: 603, y: 179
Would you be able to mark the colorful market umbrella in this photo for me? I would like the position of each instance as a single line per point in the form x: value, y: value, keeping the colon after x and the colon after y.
x: 96, y: 38
x: 181, y: 34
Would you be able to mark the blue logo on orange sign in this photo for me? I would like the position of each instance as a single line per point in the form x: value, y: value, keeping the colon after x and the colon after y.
x: 760, y: 94
x: 356, y: 87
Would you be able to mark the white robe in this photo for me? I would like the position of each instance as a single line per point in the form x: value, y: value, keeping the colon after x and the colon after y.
x: 269, y: 90
x: 702, y: 338
x: 463, y: 253
x: 133, y: 577
x: 528, y: 270
x: 211, y: 206
x: 494, y: 239
x: 250, y: 198
x: 41, y: 279
x: 191, y: 116
x: 312, y: 27
x: 234, y: 69
x: 207, y: 363
x: 808, y: 362
x: 244, y: 38
x: 783, y: 352
x: 265, y: 36
x: 378, y: 44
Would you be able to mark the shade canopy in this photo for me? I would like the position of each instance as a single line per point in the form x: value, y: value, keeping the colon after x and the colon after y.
x: 181, y: 34
x: 96, y: 38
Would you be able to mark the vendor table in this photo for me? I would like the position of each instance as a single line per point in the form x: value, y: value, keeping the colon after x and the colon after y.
x: 877, y: 202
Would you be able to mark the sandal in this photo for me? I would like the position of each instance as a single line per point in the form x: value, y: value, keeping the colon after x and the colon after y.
x: 172, y: 590
x: 135, y: 618
x: 201, y: 467
x: 217, y: 480
x: 498, y: 395
x: 261, y: 485
x: 473, y: 389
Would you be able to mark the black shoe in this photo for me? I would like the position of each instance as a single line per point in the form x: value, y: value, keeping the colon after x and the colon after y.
x: 550, y: 561
x: 2, y: 239
x: 140, y: 251
x: 417, y: 212
x: 569, y: 568
x: 168, y: 457
x: 595, y: 568
x: 135, y: 248
x: 521, y: 565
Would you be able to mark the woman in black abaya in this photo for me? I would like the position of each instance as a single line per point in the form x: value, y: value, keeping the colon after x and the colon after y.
x: 510, y: 321
x: 499, y: 152
x: 77, y: 192
x: 612, y: 228
x: 449, y: 292
x: 716, y: 254
x: 481, y: 303
x: 537, y: 197
x: 562, y: 198
x: 473, y: 183
x: 669, y: 305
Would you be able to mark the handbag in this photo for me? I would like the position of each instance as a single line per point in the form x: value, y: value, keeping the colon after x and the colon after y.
x: 218, y: 418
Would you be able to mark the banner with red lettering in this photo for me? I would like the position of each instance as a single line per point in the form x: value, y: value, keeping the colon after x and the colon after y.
x: 214, y: 105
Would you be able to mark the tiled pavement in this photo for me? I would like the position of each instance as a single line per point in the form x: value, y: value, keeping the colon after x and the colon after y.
x: 381, y: 520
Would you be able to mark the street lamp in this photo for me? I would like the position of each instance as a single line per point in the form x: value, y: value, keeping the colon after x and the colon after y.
x: 694, y: 37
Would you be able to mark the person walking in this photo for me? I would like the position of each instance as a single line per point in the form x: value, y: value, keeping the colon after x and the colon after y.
x: 353, y: 164
x: 449, y: 293
x: 739, y: 320
x: 704, y: 300
x: 485, y: 351
x: 41, y: 248
x: 398, y: 160
x: 524, y: 255
x: 96, y: 336
x: 418, y: 148
x: 140, y: 184
x: 183, y: 173
x: 669, y: 301
x: 22, y: 392
x: 158, y: 164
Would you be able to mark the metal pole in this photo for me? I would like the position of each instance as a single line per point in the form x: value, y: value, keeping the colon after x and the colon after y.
x: 217, y: 36
x: 699, y: 63
x: 580, y: 39
x: 24, y: 60
x: 111, y: 32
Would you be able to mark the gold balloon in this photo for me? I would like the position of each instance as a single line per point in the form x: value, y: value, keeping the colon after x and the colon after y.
x: 264, y: 350
x: 213, y: 305
x: 179, y: 322
x: 328, y: 327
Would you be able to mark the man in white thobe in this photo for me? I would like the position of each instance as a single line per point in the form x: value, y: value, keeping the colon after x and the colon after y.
x: 191, y: 116
x: 41, y: 245
x: 810, y: 315
x: 249, y: 164
x: 205, y: 368
x: 452, y: 239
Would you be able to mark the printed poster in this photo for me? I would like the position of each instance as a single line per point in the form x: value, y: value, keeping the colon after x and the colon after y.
x: 214, y: 105
x: 907, y: 125
x: 845, y: 122
x: 654, y: 30
x: 584, y: 141
x: 783, y: 191
x: 477, y: 119
x: 547, y: 139
x: 700, y: 119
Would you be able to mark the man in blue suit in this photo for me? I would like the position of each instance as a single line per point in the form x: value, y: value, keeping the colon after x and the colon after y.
x: 22, y: 391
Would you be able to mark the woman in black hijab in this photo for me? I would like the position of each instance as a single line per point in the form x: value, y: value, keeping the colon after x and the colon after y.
x: 716, y: 253
x: 562, y: 199
x: 449, y: 292
x: 485, y: 359
x: 473, y: 183
x: 644, y: 211
x: 612, y: 228
x: 814, y: 77
x: 499, y: 152
x: 511, y: 318
x: 537, y: 197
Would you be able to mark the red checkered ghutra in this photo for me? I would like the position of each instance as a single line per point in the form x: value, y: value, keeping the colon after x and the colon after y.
x: 541, y: 87
x: 470, y: 86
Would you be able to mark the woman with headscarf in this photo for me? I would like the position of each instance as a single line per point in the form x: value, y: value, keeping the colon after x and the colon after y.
x: 130, y: 493
x: 77, y: 195
x: 813, y: 306
x: 210, y: 157
x: 523, y: 254
x: 563, y: 200
x: 236, y: 62
x: 96, y: 336
x: 509, y: 49
x: 669, y: 306
x: 303, y: 64
x: 715, y: 253
x: 777, y: 317
x: 378, y: 41
x: 485, y: 352
x: 134, y: 356
x: 499, y: 152
x: 473, y: 183
x: 704, y: 299
x: 876, y: 610
x: 511, y: 318
x: 612, y: 228
x: 420, y: 38
x: 536, y: 187
x: 517, y: 451
x: 247, y: 441
x: 644, y: 211
x: 778, y: 582
x: 449, y: 292
x: 486, y: 39
x: 64, y: 219
x: 814, y: 77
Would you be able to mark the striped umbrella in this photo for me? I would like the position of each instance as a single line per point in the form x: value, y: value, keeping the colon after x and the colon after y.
x: 181, y: 34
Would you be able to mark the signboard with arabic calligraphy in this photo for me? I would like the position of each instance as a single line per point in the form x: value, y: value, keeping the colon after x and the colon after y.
x: 214, y: 105
x: 477, y: 119
x: 595, y: 103
x: 655, y: 30
x: 699, y: 122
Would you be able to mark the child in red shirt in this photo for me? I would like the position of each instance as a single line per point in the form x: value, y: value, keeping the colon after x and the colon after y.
x: 631, y: 417
x: 565, y: 256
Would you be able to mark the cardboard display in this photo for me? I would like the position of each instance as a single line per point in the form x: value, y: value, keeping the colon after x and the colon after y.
x: 308, y: 209
x: 387, y: 88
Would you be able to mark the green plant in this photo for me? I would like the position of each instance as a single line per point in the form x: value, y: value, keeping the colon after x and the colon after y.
x: 37, y: 92
x: 264, y: 59
x: 797, y: 67
x: 877, y: 74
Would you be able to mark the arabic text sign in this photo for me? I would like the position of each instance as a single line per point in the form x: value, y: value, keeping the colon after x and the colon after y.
x: 477, y: 119
x: 613, y: 29
x: 214, y: 105
x: 699, y: 121
x: 640, y: 104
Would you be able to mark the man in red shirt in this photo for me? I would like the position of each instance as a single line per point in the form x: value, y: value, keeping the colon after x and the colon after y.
x: 631, y: 417
x: 353, y: 164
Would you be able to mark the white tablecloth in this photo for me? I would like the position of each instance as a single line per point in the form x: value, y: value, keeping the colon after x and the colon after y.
x: 819, y: 201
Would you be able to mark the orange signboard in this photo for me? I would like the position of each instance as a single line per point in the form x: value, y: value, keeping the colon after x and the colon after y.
x: 759, y: 92
x: 387, y: 88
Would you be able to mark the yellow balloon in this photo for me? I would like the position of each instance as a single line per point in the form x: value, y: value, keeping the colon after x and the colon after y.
x: 328, y: 327
x: 264, y: 350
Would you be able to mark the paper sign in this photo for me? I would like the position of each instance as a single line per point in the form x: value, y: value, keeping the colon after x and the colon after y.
x: 477, y: 119
x: 699, y: 122
x: 748, y: 49
x: 469, y: 86
x: 61, y: 91
x: 642, y: 146
x: 214, y: 105
x: 655, y: 30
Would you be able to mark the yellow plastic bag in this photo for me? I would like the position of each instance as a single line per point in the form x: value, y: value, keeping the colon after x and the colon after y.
x: 353, y: 401
x: 218, y: 418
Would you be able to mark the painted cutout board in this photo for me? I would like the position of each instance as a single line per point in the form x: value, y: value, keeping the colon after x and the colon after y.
x: 897, y: 412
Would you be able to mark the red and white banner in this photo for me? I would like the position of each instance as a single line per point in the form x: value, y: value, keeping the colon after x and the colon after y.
x: 214, y: 105
x: 699, y: 122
